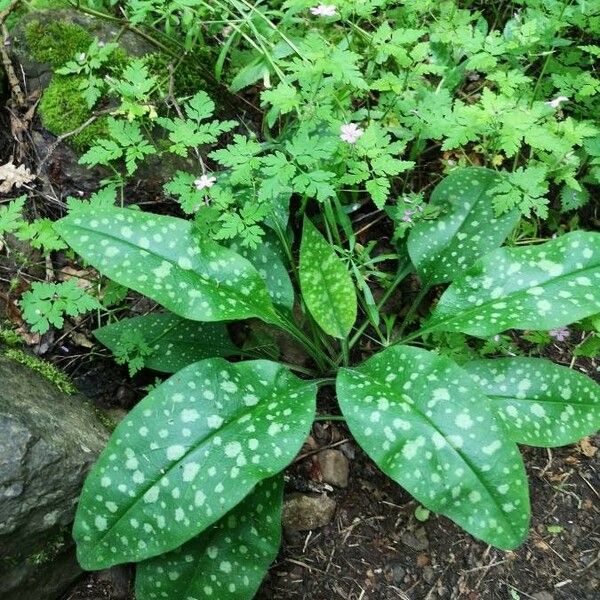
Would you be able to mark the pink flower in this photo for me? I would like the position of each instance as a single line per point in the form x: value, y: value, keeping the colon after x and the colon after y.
x: 557, y: 101
x: 407, y: 216
x: 324, y: 10
x: 560, y: 334
x: 205, y: 182
x: 350, y: 132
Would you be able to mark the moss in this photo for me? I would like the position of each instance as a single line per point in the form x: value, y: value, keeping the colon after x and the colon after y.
x: 189, y: 77
x: 105, y: 419
x: 63, y: 109
x: 8, y: 336
x: 53, y: 547
x: 47, y: 370
x: 55, y: 42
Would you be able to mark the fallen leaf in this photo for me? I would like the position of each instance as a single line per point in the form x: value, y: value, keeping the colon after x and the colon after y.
x: 586, y: 447
x: 81, y: 340
x: 14, y: 176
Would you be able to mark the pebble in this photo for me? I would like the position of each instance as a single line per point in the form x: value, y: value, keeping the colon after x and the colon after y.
x: 334, y: 467
x: 302, y: 512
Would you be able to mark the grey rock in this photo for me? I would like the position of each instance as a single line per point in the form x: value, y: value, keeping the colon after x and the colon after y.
x: 49, y: 441
x: 334, y: 467
x: 417, y: 540
x: 302, y: 512
x: 37, y: 74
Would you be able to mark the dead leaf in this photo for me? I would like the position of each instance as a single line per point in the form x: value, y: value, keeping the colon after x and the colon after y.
x: 586, y: 447
x: 81, y: 340
x: 14, y: 176
x: 82, y: 277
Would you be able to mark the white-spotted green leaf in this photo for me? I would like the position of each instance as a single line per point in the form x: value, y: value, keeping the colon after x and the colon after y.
x: 187, y: 454
x: 539, y: 402
x: 326, y: 284
x: 159, y: 257
x: 532, y: 287
x: 429, y: 427
x: 267, y: 261
x: 443, y: 248
x: 227, y: 561
x: 169, y: 342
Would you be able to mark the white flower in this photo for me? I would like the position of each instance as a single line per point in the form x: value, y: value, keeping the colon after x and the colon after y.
x: 324, y: 10
x: 205, y: 182
x: 81, y: 57
x: 557, y: 101
x: 350, y: 132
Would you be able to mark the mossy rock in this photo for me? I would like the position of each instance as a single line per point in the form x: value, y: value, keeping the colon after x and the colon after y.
x: 46, y: 39
x: 63, y: 109
x: 50, y: 440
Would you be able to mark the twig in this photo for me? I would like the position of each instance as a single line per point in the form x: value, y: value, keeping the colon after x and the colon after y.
x: 13, y: 80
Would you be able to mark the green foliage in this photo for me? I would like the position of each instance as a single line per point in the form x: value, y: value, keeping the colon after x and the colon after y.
x: 191, y: 132
x: 193, y: 427
x: 11, y: 216
x: 538, y: 402
x: 164, y: 342
x: 126, y: 142
x: 427, y: 427
x: 362, y: 108
x: 326, y: 284
x: 532, y: 287
x: 466, y: 229
x: 47, y: 303
x: 156, y: 255
x: 232, y: 556
x: 63, y: 109
x: 55, y: 42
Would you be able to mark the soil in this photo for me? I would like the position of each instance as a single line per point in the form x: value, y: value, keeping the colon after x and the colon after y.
x: 375, y: 548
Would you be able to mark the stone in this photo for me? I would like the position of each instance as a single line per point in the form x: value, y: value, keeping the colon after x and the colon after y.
x: 417, y: 540
x: 38, y: 71
x: 49, y: 442
x: 334, y: 467
x: 302, y: 512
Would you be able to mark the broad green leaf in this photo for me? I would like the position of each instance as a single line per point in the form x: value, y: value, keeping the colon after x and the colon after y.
x: 533, y: 287
x: 326, y: 284
x: 159, y: 257
x: 540, y: 403
x: 444, y: 248
x: 172, y: 342
x: 229, y: 560
x: 429, y: 427
x: 187, y: 454
x: 270, y: 267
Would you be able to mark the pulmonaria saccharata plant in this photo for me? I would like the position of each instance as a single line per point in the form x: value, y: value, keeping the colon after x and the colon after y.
x: 190, y: 484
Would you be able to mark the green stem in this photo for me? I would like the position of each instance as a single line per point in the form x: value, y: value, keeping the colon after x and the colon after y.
x: 330, y: 418
x: 413, y: 308
x: 397, y: 281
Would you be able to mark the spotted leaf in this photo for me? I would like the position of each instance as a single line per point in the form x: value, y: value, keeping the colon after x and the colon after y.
x: 172, y: 342
x: 467, y: 230
x: 428, y: 427
x: 228, y: 560
x: 326, y: 284
x: 540, y: 403
x: 268, y: 263
x: 159, y: 257
x: 187, y: 454
x: 533, y: 287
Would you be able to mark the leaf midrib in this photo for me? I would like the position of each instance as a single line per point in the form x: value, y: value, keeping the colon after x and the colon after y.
x: 456, y: 450
x: 213, y: 281
x: 194, y: 448
x: 511, y: 294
